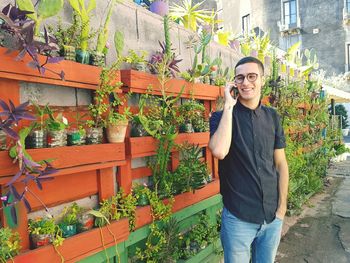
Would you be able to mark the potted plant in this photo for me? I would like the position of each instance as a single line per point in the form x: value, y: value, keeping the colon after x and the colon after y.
x: 37, y: 138
x: 67, y: 38
x: 159, y: 7
x: 76, y: 135
x: 44, y: 231
x: 69, y: 220
x: 141, y: 192
x: 10, y: 244
x: 190, y: 111
x: 85, y: 221
x: 83, y: 12
x: 137, y: 62
x: 3, y: 138
x: 97, y: 57
x: 56, y: 129
x: 105, y: 113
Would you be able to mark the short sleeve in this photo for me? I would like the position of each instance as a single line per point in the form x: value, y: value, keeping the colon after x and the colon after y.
x: 280, y: 139
x: 214, y: 121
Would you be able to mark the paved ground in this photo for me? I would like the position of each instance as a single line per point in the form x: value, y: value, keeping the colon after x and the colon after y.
x: 322, y: 233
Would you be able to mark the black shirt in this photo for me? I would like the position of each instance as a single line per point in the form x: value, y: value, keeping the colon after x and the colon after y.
x: 248, y: 177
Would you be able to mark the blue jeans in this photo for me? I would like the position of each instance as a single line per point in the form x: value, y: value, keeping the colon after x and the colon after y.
x: 240, y: 239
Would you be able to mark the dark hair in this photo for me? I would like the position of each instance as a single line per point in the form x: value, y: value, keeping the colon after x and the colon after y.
x: 246, y: 60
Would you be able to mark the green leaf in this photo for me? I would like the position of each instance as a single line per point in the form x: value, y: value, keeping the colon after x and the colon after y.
x: 27, y: 5
x: 98, y: 214
x: 49, y: 8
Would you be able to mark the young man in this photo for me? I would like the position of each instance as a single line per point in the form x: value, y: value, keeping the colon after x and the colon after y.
x: 249, y: 142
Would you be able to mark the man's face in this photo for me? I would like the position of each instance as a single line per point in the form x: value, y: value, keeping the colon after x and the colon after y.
x: 249, y: 81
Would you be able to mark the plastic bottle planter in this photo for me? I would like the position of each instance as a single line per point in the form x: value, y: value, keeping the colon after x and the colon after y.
x: 116, y: 133
x: 69, y: 53
x: 56, y: 138
x: 39, y: 240
x: 137, y: 130
x: 82, y: 56
x: 74, y: 137
x: 94, y: 135
x: 186, y: 128
x: 142, y: 200
x: 2, y: 140
x: 85, y: 222
x: 140, y: 66
x: 97, y: 59
x: 68, y: 230
x: 36, y: 139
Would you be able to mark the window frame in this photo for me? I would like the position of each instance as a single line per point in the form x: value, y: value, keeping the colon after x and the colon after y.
x: 246, y: 24
x: 290, y: 18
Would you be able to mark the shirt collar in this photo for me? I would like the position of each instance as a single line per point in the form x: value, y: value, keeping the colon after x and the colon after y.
x: 257, y: 111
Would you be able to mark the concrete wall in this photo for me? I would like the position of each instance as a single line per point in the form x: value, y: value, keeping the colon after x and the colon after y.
x: 325, y: 15
x: 329, y: 43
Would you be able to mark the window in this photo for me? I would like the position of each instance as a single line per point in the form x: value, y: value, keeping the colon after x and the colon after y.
x: 246, y: 24
x: 348, y: 6
x: 290, y: 12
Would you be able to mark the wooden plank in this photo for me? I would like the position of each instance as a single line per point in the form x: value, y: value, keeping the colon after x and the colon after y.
x: 149, y: 144
x: 106, y: 184
x: 78, y: 246
x: 62, y: 189
x: 139, y: 82
x: 76, y: 75
x: 140, y: 172
x: 68, y: 156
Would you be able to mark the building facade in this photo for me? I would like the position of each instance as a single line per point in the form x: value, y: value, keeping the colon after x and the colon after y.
x: 322, y: 25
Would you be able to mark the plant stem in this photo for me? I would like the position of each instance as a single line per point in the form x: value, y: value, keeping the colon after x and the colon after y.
x: 103, y: 244
x: 115, y: 242
x: 59, y: 253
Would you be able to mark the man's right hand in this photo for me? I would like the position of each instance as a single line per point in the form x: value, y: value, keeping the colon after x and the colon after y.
x: 230, y: 101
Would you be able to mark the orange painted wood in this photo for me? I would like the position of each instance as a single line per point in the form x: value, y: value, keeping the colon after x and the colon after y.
x: 76, y: 75
x: 68, y: 156
x: 149, y: 144
x: 62, y: 189
x: 124, y: 176
x: 141, y: 172
x: 105, y: 183
x: 143, y: 214
x: 9, y: 90
x: 79, y: 246
x: 138, y: 82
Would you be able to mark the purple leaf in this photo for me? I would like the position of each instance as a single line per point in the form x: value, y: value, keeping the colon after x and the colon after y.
x: 10, y: 133
x: 22, y: 106
x: 14, y: 215
x: 29, y: 163
x: 14, y: 179
x: 33, y: 64
x: 21, y: 55
x: 38, y: 183
x: 62, y: 74
x: 42, y: 70
x: 26, y: 203
x: 54, y: 59
x: 4, y: 105
x: 15, y: 193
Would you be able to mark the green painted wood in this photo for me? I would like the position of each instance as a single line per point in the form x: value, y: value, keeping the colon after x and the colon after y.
x: 111, y: 253
x: 187, y: 217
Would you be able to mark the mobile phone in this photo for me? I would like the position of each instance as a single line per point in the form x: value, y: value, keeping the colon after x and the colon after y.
x: 234, y: 90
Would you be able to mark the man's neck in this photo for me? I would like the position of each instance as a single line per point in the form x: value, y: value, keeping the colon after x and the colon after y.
x: 250, y: 104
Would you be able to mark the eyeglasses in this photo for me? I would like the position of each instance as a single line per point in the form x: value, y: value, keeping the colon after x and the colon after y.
x: 251, y: 77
